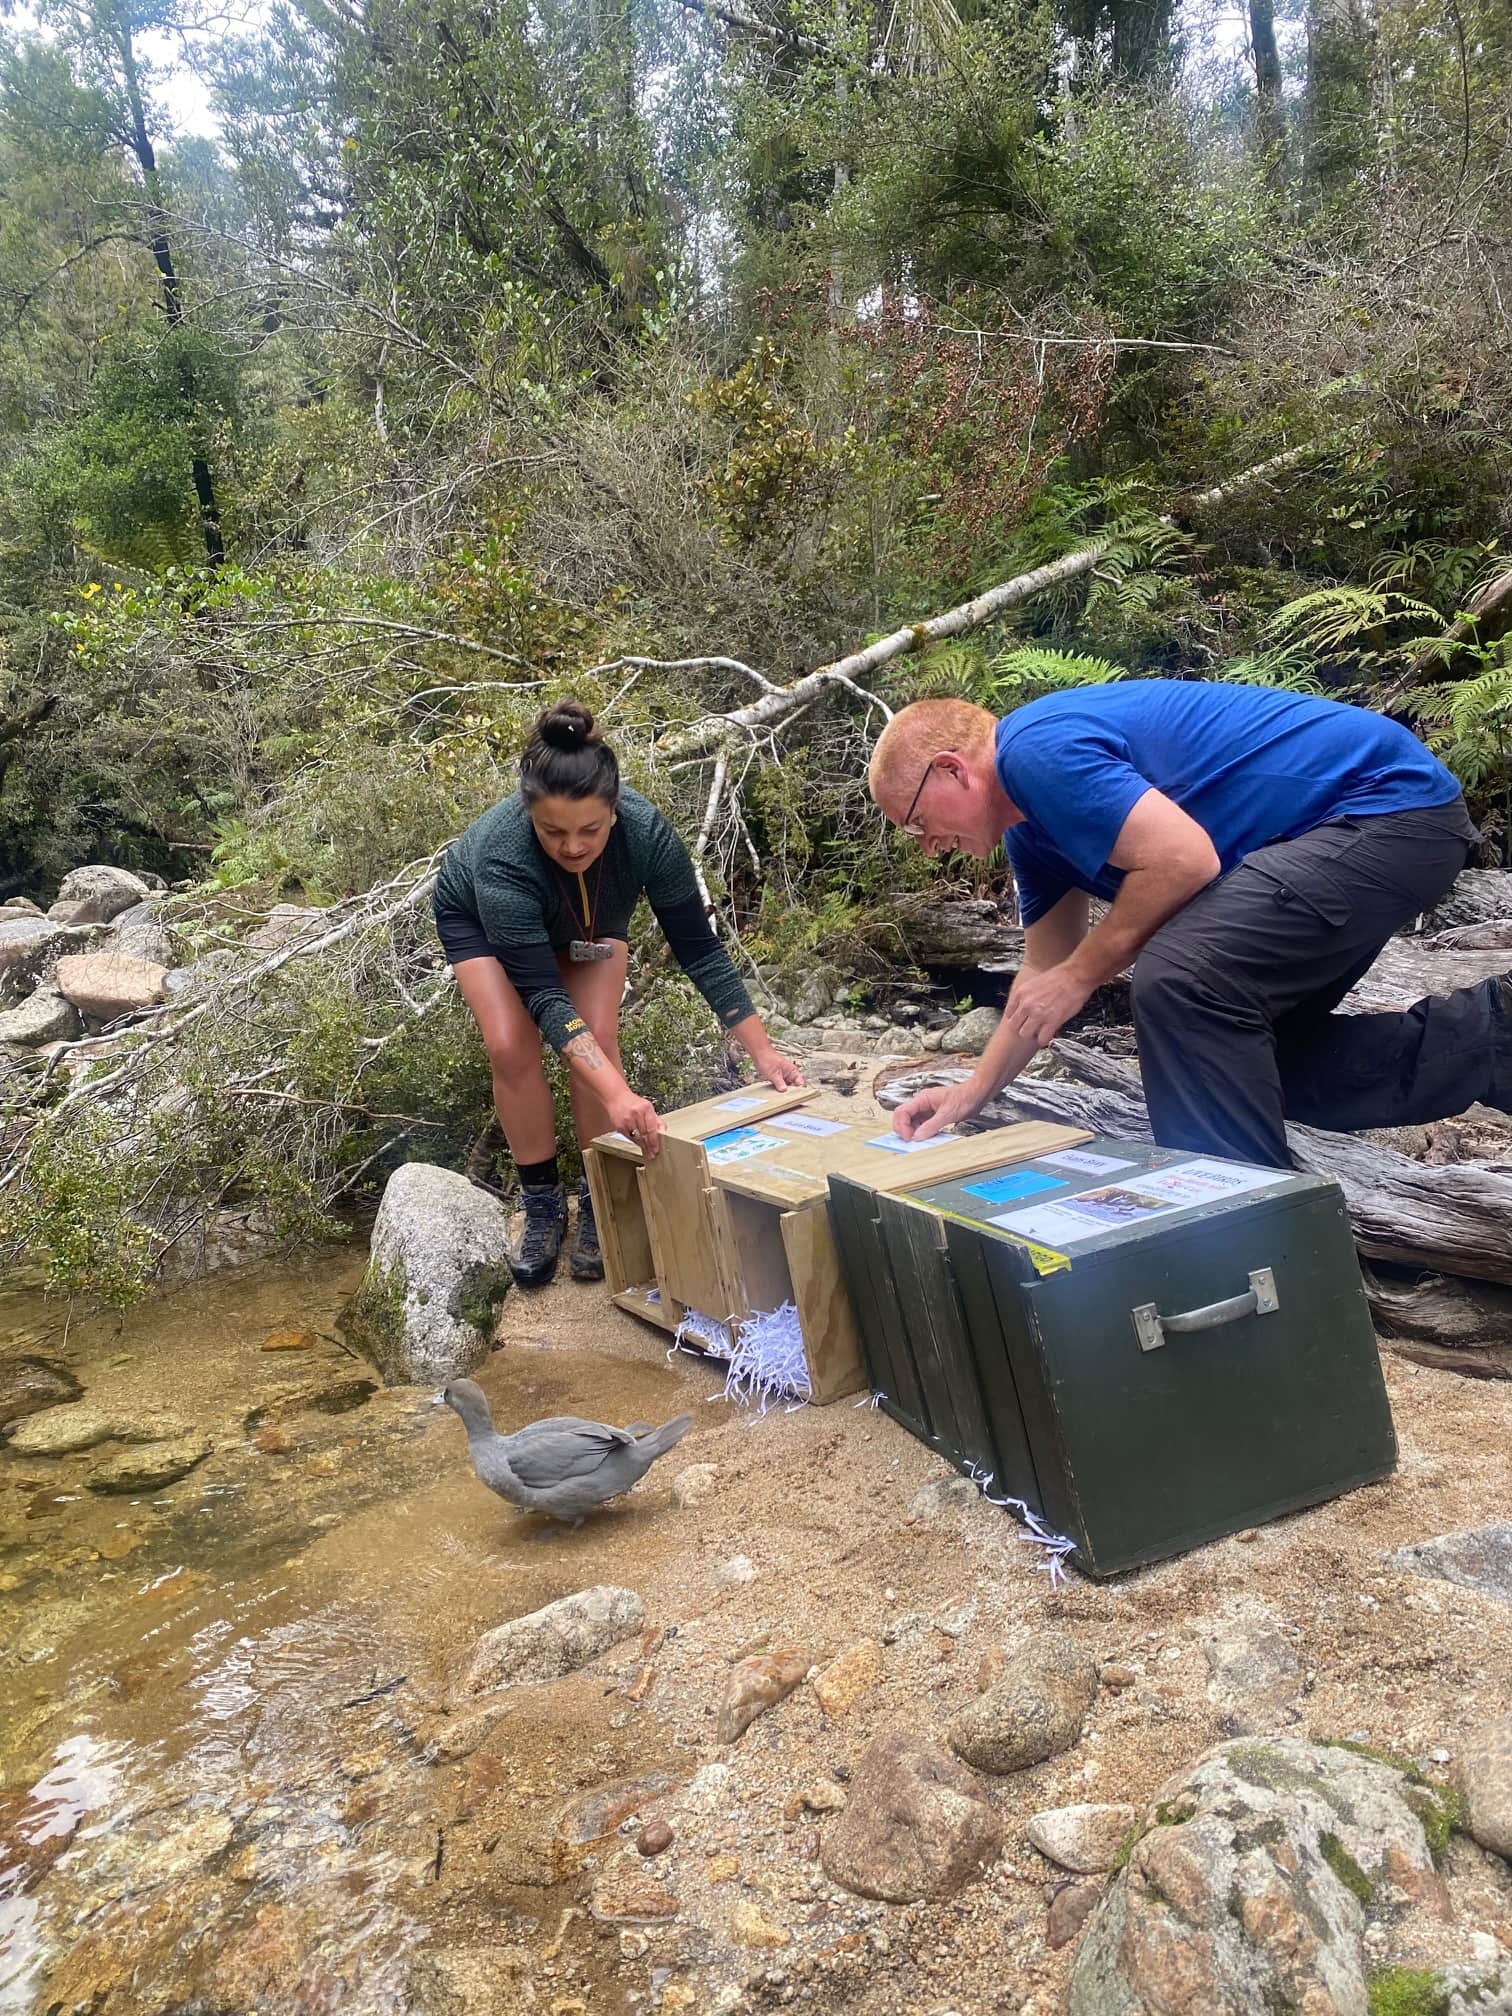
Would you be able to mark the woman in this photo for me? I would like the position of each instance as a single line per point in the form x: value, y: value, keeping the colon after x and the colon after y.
x: 533, y: 907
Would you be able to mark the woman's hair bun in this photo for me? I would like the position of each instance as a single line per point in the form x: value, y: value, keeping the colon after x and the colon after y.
x: 567, y: 725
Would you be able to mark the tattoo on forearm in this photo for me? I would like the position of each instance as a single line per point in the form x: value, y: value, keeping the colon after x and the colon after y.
x: 583, y: 1050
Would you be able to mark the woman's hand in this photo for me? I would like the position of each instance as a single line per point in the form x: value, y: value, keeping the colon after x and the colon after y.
x: 933, y: 1110
x: 776, y: 1069
x: 638, y: 1120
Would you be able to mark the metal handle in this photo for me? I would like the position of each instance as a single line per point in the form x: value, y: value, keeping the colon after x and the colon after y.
x: 1260, y: 1299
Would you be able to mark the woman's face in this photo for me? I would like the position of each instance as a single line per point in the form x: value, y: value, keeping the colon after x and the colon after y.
x: 573, y: 831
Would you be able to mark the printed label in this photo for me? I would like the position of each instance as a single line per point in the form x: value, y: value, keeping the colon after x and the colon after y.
x: 806, y: 1123
x: 896, y: 1145
x: 740, y: 1144
x: 1204, y: 1182
x: 1022, y: 1183
x: 1090, y: 1165
x: 749, y: 1103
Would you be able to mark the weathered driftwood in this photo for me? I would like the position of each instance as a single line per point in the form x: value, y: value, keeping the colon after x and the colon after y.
x: 1465, y: 1326
x: 1494, y: 936
x: 1453, y: 1220
x: 1480, y: 896
x: 1409, y: 968
x: 967, y: 932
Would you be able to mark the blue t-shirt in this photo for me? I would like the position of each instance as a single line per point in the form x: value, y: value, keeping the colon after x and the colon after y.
x: 1249, y: 764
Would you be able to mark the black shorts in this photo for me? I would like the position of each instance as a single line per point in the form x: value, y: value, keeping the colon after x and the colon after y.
x: 463, y: 937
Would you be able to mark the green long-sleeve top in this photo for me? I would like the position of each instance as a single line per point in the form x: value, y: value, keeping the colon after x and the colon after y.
x: 528, y: 907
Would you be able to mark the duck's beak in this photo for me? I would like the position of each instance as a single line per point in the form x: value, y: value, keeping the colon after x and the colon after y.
x: 438, y: 1399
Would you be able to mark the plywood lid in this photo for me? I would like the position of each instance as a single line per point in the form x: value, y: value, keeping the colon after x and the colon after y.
x: 742, y: 1107
x: 778, y: 1165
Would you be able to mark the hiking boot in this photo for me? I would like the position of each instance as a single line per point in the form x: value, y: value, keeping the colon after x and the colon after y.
x: 545, y: 1227
x: 585, y: 1260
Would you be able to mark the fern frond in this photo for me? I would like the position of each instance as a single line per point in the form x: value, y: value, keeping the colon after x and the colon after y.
x: 1330, y: 620
x: 1029, y: 670
x: 1287, y: 671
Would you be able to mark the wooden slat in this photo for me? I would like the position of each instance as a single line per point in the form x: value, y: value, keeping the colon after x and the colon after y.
x: 617, y: 1211
x: 693, y: 1264
x: 670, y: 1306
x: 637, y: 1302
x: 713, y: 1116
x: 824, y: 1312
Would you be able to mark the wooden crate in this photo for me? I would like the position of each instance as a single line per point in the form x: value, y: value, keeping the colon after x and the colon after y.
x: 731, y: 1218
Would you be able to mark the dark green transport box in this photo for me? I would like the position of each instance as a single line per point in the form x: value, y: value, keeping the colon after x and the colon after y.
x: 1150, y: 1349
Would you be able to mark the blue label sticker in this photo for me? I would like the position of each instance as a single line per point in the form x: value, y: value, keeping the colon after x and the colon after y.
x: 730, y: 1136
x: 1023, y: 1183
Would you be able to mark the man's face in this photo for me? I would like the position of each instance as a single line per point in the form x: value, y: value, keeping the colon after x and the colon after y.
x: 946, y: 809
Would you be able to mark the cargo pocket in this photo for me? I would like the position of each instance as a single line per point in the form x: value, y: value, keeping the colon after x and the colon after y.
x: 1311, y: 874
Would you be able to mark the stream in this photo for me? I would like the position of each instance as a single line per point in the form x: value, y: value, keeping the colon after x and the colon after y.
x: 222, y: 1701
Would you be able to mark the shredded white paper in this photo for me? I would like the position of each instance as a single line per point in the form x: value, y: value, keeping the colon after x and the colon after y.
x: 769, y: 1362
x: 707, y: 1334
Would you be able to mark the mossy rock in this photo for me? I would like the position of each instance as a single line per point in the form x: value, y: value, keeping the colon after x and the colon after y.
x: 1408, y: 1991
x: 373, y: 1321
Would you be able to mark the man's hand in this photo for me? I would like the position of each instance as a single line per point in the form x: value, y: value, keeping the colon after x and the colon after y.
x: 1043, y: 1003
x: 638, y: 1119
x: 932, y: 1111
x: 776, y: 1069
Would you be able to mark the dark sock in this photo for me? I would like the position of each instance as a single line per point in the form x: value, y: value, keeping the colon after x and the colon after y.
x: 539, y: 1175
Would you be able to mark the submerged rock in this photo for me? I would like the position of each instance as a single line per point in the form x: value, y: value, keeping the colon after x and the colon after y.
x: 437, y: 1272
x: 917, y: 1825
x: 27, y: 1385
x: 1249, y: 1887
x: 150, y: 1465
x: 555, y: 1641
x: 63, y: 1431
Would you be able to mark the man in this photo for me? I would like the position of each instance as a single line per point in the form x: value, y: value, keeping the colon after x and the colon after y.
x: 1258, y: 849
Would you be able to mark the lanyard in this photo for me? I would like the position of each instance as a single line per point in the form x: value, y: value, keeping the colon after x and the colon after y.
x: 590, y: 917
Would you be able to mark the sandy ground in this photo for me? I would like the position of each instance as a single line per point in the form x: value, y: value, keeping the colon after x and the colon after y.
x: 226, y: 1657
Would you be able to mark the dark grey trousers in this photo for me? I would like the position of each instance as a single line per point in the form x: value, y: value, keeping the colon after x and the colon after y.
x: 1234, y: 995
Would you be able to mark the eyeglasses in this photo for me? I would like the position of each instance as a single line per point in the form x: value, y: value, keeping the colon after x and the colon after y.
x: 912, y: 827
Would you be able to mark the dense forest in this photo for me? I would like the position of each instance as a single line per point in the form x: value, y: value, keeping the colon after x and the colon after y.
x: 665, y: 353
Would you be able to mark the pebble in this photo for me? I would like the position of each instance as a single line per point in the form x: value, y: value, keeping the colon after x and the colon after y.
x: 823, y: 1796
x: 1116, y: 1678
x: 750, y: 1926
x: 739, y: 1568
x: 754, y: 1686
x: 654, y: 1838
x: 722, y: 1869
x: 1033, y: 1712
x: 850, y: 1678
x: 695, y: 1483
x: 628, y: 1894
x: 1070, y: 1908
x: 1084, y: 1839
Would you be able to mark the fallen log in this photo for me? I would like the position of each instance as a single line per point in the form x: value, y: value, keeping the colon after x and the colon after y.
x: 1479, y: 896
x: 1407, y: 969
x: 1463, y: 1326
x: 1454, y: 1219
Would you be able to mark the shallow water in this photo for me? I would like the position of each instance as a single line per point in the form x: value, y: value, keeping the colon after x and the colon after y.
x: 217, y: 1699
